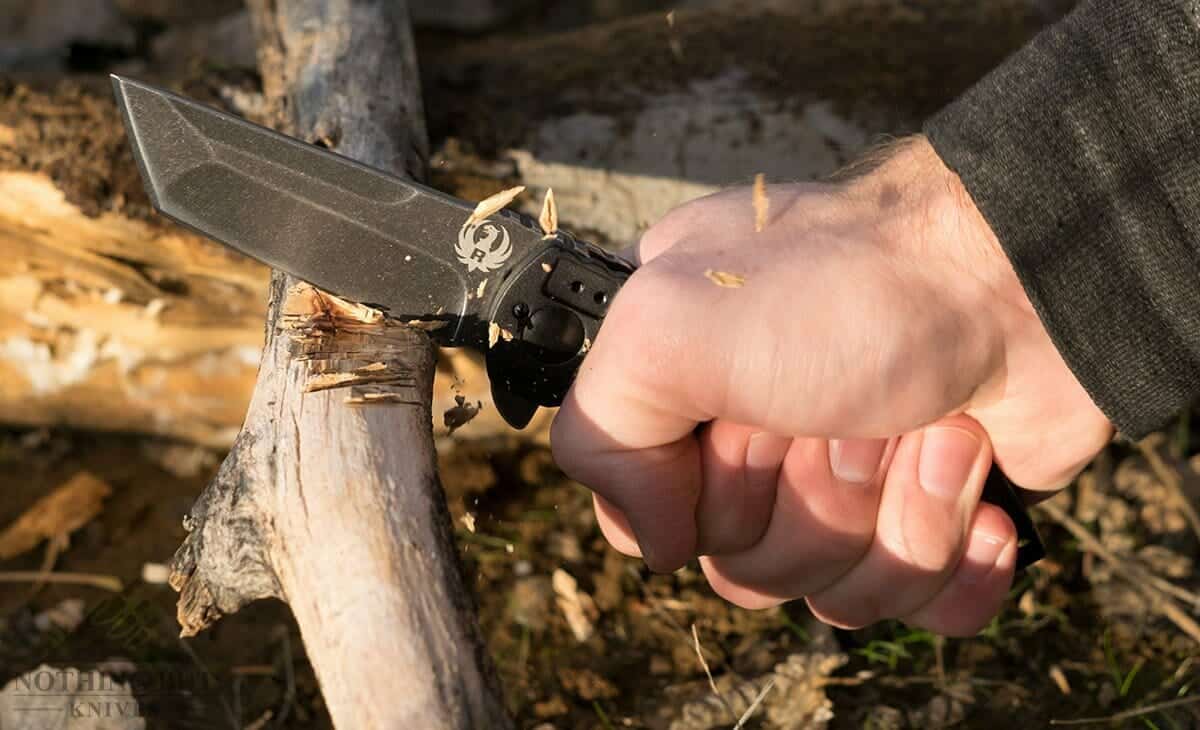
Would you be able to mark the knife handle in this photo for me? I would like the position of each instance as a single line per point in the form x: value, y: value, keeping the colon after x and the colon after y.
x: 545, y: 315
x: 547, y: 312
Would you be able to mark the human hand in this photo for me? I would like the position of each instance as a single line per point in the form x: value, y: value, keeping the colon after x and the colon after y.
x: 850, y: 399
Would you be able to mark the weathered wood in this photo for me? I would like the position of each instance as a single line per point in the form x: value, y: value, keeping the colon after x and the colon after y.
x: 330, y: 499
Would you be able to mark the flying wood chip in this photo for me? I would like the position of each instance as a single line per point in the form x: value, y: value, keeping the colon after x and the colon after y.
x: 725, y: 279
x: 549, y: 217
x: 762, y: 204
x: 493, y: 203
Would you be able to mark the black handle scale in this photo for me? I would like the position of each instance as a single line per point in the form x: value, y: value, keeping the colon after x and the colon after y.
x: 549, y: 308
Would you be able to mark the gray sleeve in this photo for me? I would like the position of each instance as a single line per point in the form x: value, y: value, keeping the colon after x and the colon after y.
x: 1083, y: 153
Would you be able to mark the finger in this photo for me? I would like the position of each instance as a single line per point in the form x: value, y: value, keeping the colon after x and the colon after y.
x: 614, y: 525
x: 820, y: 527
x: 931, y: 490
x: 980, y: 582
x: 740, y: 469
x: 654, y: 488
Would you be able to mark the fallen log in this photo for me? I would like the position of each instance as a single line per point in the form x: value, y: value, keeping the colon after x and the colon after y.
x: 329, y: 498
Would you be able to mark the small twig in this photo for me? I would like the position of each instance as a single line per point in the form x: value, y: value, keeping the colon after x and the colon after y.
x: 708, y: 673
x: 1130, y: 714
x: 1171, y: 479
x: 106, y: 582
x: 1149, y: 588
x: 1091, y: 544
x: 754, y: 705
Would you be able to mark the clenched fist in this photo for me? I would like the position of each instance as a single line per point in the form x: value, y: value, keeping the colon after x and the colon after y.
x: 824, y: 430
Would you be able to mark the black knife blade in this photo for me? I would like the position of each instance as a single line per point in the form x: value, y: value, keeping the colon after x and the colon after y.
x: 531, y: 302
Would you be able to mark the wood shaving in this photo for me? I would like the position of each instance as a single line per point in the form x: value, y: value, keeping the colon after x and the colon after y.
x: 506, y: 335
x: 156, y: 573
x: 71, y: 505
x: 427, y: 325
x: 493, y: 334
x: 587, y: 344
x: 577, y: 607
x: 549, y: 217
x: 1060, y: 679
x: 493, y: 203
x: 360, y: 399
x: 155, y: 308
x: 482, y: 286
x: 762, y: 204
x: 547, y: 267
x: 468, y: 521
x: 725, y: 279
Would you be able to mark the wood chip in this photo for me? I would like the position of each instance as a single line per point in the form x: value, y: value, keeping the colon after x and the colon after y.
x: 361, y: 399
x: 468, y: 521
x: 547, y: 267
x: 426, y: 325
x: 762, y: 204
x: 493, y: 334
x: 549, y: 217
x: 155, y: 573
x: 482, y: 286
x: 493, y: 203
x: 725, y: 279
x: 574, y: 604
x: 70, y: 506
x: 1056, y: 673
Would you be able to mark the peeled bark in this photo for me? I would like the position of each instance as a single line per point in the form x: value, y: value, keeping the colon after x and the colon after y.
x: 329, y: 498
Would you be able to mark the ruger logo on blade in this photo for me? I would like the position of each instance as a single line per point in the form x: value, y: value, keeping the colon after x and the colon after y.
x: 483, y: 246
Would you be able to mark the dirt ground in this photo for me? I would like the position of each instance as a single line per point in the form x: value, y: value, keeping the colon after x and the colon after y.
x: 1102, y: 630
x: 585, y: 638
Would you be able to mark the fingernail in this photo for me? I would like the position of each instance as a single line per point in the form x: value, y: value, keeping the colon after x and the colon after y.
x: 856, y: 461
x: 983, y: 552
x: 947, y: 456
x: 765, y: 451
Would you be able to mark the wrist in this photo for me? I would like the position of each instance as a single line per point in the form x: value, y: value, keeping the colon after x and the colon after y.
x: 934, y: 229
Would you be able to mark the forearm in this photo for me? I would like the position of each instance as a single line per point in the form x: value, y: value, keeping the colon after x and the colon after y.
x: 1082, y: 153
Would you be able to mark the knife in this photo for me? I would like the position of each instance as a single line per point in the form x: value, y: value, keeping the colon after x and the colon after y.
x: 405, y: 248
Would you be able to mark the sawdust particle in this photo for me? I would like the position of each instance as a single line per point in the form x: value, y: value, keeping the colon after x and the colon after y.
x: 468, y: 521
x: 762, y: 204
x: 549, y: 217
x: 587, y: 344
x: 493, y: 334
x: 725, y: 279
x: 547, y: 267
x: 508, y: 336
x: 493, y: 203
x: 482, y: 286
